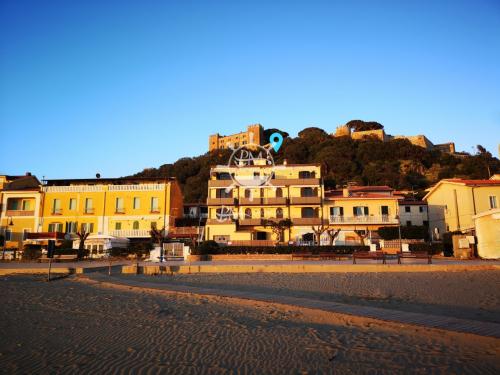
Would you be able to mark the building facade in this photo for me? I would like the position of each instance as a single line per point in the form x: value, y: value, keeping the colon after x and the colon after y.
x: 119, y: 207
x: 454, y: 202
x: 413, y: 212
x: 254, y: 134
x: 239, y: 211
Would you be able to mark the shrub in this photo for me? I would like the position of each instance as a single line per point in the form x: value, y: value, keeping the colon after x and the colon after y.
x: 210, y: 249
x: 32, y: 252
x: 434, y: 248
x: 409, y: 232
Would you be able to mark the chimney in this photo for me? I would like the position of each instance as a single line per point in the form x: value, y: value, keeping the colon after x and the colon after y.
x: 28, y: 173
x: 345, y: 192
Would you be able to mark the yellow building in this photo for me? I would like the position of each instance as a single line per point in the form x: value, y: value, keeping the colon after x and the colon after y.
x: 487, y: 228
x: 119, y: 207
x: 453, y: 203
x: 240, y: 199
x: 254, y: 134
x: 20, y: 199
x: 360, y: 210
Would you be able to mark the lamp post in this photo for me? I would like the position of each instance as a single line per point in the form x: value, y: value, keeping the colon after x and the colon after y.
x: 10, y: 224
x: 399, y: 233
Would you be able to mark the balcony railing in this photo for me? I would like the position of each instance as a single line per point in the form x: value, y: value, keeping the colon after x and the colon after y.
x: 250, y: 201
x: 275, y: 201
x: 56, y: 211
x: 295, y: 181
x: 307, y: 221
x: 249, y: 221
x: 219, y: 221
x: 119, y: 211
x: 380, y: 219
x: 221, y: 201
x: 88, y: 211
x: 219, y: 183
x: 305, y: 200
x: 131, y: 233
x: 19, y: 213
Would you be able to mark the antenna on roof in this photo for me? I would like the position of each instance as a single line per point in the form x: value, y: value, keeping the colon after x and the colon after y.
x: 97, y: 175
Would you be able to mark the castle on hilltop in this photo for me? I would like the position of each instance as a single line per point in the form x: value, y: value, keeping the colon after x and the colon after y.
x: 253, y: 134
x: 417, y: 140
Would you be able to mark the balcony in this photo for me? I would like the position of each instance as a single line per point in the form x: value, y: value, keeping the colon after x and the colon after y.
x: 131, y: 233
x: 380, y: 219
x: 221, y: 201
x: 250, y: 222
x: 278, y: 201
x: 250, y: 201
x: 219, y: 221
x: 56, y: 211
x: 88, y: 211
x: 19, y: 213
x: 219, y: 183
x: 307, y: 221
x: 120, y: 211
x: 295, y: 181
x: 305, y: 200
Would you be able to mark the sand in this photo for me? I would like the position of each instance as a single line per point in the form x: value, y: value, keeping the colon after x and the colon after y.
x: 471, y: 295
x: 70, y: 326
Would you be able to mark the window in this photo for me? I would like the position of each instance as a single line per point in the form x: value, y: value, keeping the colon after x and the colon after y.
x: 71, y: 226
x: 137, y: 203
x: 118, y: 225
x: 135, y: 225
x: 154, y: 204
x: 425, y: 223
x: 360, y: 211
x: 279, y: 193
x: 422, y: 209
x: 384, y: 210
x: 8, y: 235
x: 26, y: 205
x: 408, y: 223
x: 493, y: 201
x: 153, y: 225
x: 279, y: 213
x: 308, y: 212
x: 89, y: 206
x: 72, y: 204
x: 307, y: 192
x: 119, y: 206
x: 56, y: 206
x: 222, y: 193
x: 248, y: 193
x: 55, y: 227
x: 261, y: 213
x: 307, y: 174
x: 248, y: 213
x: 336, y: 211
x: 407, y: 209
x: 223, y: 176
x: 13, y: 204
x: 256, y: 174
x: 87, y: 227
x: 25, y: 234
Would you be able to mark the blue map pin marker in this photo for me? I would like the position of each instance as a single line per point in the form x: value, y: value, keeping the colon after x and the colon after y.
x: 276, y: 141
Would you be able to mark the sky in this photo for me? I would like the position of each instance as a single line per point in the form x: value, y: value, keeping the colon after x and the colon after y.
x: 113, y: 87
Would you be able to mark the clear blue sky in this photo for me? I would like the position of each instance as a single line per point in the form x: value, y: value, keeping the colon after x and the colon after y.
x: 118, y: 86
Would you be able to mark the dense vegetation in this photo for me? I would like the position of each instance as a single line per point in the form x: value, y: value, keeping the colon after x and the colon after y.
x: 397, y: 163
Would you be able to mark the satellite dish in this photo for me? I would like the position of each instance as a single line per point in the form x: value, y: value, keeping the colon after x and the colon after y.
x: 97, y: 175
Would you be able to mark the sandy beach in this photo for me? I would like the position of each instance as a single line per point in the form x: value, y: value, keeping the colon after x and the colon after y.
x: 77, y: 326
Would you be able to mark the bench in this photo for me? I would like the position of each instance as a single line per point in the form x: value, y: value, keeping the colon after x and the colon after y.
x: 376, y: 255
x: 415, y: 255
x: 59, y: 258
x: 332, y: 255
x: 303, y: 255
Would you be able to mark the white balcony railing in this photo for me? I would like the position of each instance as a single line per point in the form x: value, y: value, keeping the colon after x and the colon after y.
x: 140, y: 187
x: 72, y: 189
x: 379, y: 219
x: 131, y: 233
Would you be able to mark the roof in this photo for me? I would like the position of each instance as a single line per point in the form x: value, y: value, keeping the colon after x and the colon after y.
x: 30, y: 183
x: 371, y: 188
x: 463, y: 182
x: 117, y: 180
x: 414, y: 202
x: 338, y: 194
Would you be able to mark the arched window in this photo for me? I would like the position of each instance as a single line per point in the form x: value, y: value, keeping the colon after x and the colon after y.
x: 135, y: 225
x: 262, y: 213
x: 279, y: 193
x: 248, y: 193
x: 248, y: 213
x: 279, y: 213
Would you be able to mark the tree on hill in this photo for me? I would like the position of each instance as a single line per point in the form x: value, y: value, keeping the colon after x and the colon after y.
x: 360, y: 125
x: 269, y: 132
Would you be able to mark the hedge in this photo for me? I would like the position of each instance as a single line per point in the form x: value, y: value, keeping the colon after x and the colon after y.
x: 408, y: 232
x: 435, y: 248
x: 210, y: 249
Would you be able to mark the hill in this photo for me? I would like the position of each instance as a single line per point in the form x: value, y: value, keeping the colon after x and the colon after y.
x: 396, y: 163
